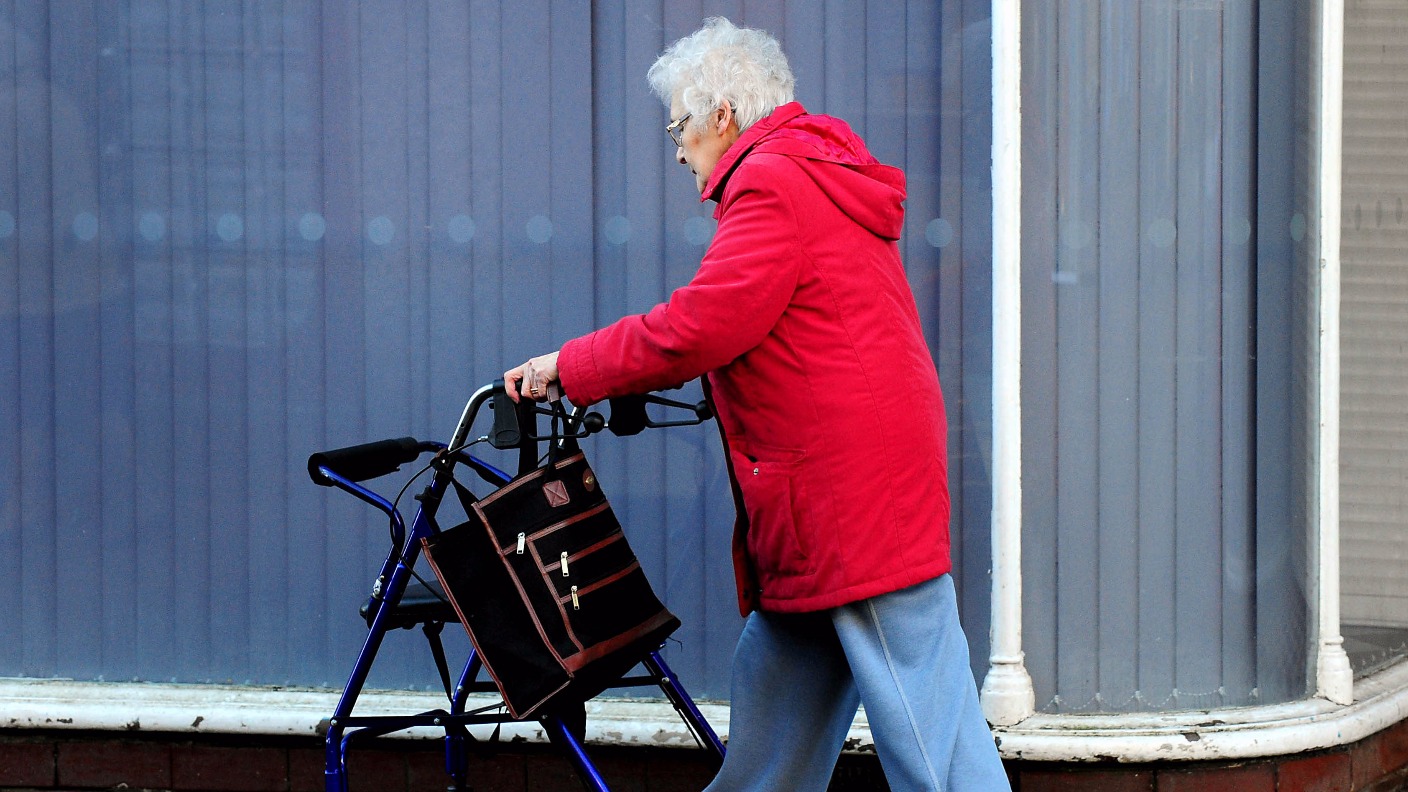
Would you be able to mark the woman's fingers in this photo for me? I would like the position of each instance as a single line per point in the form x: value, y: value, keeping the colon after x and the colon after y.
x: 512, y: 378
x: 532, y: 378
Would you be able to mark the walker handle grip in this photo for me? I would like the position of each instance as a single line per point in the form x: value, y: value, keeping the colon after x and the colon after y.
x: 365, y: 461
x: 506, y: 433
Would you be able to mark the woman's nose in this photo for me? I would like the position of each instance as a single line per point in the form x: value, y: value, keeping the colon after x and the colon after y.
x: 679, y: 155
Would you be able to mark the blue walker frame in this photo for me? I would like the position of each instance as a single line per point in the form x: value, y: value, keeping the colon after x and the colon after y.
x: 344, y: 729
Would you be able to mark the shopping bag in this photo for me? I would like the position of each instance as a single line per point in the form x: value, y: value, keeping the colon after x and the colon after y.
x: 547, y: 586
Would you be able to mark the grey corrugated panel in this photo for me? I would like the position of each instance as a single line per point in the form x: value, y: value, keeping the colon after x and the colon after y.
x: 958, y: 192
x: 1199, y: 398
x: 35, y: 451
x: 347, y: 528
x: 1040, y: 607
x: 191, y: 364
x: 1169, y: 536
x: 270, y: 530
x: 1283, y: 44
x: 310, y: 578
x: 1077, y: 324
x: 76, y: 333
x: 1239, y: 207
x: 388, y: 113
x: 117, y: 382
x: 451, y: 224
x: 1117, y: 256
x: 1158, y: 37
x: 152, y: 288
x: 223, y: 593
x: 484, y: 192
x: 655, y: 476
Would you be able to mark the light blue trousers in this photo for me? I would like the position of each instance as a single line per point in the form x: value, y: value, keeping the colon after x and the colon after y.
x: 797, y: 679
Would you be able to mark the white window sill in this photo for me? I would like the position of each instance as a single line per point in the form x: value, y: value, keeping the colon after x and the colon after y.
x: 229, y: 709
x: 1380, y: 701
x: 1224, y: 734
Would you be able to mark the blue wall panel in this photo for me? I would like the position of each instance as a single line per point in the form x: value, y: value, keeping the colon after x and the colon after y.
x: 245, y: 231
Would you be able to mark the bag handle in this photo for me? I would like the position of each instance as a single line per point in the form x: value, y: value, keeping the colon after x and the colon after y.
x: 562, y: 441
x: 527, y: 414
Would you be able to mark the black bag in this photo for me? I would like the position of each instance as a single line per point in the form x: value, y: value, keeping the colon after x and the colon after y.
x: 543, y: 580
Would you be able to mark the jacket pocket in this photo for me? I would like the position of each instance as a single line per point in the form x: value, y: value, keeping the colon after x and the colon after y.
x: 777, y: 511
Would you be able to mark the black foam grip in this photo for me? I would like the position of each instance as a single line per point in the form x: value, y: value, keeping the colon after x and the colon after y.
x: 627, y: 415
x: 366, y: 461
x: 506, y: 433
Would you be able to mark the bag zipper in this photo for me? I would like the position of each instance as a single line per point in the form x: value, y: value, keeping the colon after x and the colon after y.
x: 577, y: 592
x: 565, y: 559
x: 524, y: 537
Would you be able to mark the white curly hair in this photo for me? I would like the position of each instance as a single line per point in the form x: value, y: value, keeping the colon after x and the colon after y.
x: 721, y: 64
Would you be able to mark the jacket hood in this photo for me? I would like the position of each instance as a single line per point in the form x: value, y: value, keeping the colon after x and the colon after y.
x: 834, y: 156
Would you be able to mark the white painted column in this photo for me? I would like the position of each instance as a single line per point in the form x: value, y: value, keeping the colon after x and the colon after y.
x: 1007, y: 694
x: 1334, y: 679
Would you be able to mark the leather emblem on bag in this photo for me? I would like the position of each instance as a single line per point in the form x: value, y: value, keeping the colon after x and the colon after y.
x: 556, y: 493
x: 589, y: 481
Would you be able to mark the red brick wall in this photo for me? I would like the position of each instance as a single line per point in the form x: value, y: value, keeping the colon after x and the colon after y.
x: 1376, y: 764
x: 77, y: 761
x: 102, y: 761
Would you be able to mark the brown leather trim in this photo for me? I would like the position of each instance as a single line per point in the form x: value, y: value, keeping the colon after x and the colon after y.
x: 612, y: 539
x: 561, y: 611
x: 535, y: 475
x: 559, y: 525
x: 595, y: 652
x: 483, y: 658
x: 523, y: 595
x: 512, y: 547
x: 606, y: 581
x: 581, y: 592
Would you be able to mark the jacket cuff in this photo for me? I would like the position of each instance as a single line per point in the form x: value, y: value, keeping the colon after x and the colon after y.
x: 577, y: 372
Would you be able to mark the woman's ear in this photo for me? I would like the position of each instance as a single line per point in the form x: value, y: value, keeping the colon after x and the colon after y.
x: 723, y: 117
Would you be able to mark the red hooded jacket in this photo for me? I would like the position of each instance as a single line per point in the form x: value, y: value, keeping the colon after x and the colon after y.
x: 803, y: 322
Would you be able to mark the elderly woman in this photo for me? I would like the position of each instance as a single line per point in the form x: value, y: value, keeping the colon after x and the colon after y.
x: 805, y: 331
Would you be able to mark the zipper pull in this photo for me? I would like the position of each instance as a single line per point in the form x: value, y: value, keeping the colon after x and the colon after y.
x: 564, y: 563
x: 575, y: 604
x: 522, y: 542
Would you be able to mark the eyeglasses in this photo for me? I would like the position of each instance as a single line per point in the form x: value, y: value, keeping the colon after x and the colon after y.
x: 676, y: 128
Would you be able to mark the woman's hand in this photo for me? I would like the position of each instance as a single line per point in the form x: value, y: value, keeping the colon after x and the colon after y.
x: 532, y: 378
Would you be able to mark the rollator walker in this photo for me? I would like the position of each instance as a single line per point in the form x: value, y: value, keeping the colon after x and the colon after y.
x: 402, y: 599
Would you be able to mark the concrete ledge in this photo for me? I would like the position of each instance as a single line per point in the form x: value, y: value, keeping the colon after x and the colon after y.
x: 1203, y: 735
x: 1380, y: 701
x: 227, y: 709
